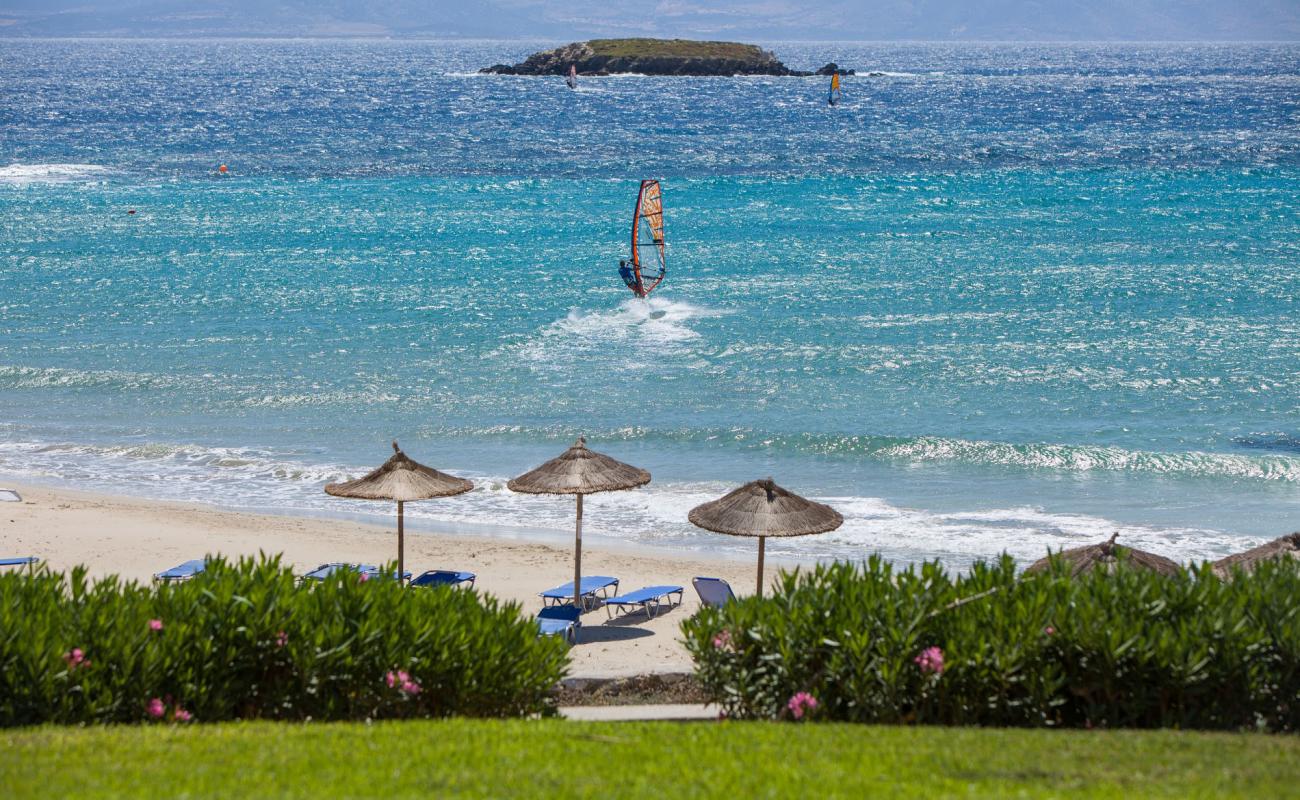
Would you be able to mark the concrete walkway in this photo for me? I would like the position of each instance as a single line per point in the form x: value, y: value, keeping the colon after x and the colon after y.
x: 667, y: 711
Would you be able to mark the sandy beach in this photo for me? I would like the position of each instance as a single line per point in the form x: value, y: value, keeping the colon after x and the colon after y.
x: 135, y: 538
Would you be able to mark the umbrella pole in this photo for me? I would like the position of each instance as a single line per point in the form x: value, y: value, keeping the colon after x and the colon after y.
x: 401, y: 542
x: 577, y: 559
x: 762, y: 545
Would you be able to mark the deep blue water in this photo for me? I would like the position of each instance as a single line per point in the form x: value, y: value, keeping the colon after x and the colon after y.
x: 1004, y: 297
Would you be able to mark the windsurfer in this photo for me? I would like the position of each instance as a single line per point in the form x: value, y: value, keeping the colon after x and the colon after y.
x: 647, y: 232
x: 629, y: 277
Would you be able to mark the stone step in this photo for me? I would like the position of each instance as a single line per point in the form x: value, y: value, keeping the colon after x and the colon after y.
x: 667, y: 711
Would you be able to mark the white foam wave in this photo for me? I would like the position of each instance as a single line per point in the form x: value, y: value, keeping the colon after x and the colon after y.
x: 630, y: 335
x: 23, y: 377
x: 368, y: 397
x: 657, y: 317
x: 50, y: 173
x: 1025, y: 532
x: 1084, y: 458
x: 164, y: 470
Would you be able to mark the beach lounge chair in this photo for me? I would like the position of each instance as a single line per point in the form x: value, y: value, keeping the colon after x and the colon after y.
x: 560, y: 621
x: 18, y: 562
x: 594, y: 588
x: 649, y: 599
x: 713, y: 591
x: 182, y: 572
x: 443, y: 577
x: 325, y: 570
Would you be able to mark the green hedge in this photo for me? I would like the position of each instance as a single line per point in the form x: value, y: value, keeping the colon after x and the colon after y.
x: 1130, y: 649
x: 244, y: 641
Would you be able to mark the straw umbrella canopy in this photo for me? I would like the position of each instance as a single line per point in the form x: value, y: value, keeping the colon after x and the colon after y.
x: 579, y: 471
x: 1106, y: 556
x: 401, y: 479
x: 763, y: 509
x: 1283, y: 547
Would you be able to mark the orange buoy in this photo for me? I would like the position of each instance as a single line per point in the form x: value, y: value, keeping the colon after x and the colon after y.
x: 222, y: 168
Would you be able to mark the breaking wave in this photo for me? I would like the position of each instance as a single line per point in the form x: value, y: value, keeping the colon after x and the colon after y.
x: 939, y: 449
x: 18, y: 377
x: 50, y: 173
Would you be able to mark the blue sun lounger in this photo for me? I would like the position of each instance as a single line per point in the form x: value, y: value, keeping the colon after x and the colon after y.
x: 369, y: 570
x: 182, y: 572
x: 325, y: 570
x: 18, y: 562
x: 649, y: 599
x: 443, y: 577
x: 714, y: 592
x: 560, y: 621
x: 592, y: 585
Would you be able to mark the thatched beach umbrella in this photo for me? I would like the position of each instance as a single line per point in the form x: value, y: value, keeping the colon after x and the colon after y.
x: 763, y: 509
x: 403, y: 480
x: 579, y: 471
x: 1106, y: 556
x: 1284, y: 547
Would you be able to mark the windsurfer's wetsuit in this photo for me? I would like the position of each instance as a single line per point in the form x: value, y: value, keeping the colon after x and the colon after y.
x: 629, y: 277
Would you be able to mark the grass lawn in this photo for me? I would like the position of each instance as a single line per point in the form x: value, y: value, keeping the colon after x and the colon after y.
x: 632, y: 760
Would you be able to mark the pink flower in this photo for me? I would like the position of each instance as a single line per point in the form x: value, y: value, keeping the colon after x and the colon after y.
x: 930, y: 661
x: 155, y: 624
x: 364, y: 577
x: 281, y: 639
x: 1049, y: 630
x: 156, y: 708
x: 722, y: 641
x: 75, y: 658
x: 181, y: 715
x: 402, y: 681
x: 801, y: 703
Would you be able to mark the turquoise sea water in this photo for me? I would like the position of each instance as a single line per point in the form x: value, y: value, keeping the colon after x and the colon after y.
x: 1005, y: 297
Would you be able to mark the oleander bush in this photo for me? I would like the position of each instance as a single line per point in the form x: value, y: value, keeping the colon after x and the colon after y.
x: 244, y: 641
x: 869, y: 643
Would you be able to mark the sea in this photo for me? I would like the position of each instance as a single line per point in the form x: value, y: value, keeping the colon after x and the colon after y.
x: 1002, y: 298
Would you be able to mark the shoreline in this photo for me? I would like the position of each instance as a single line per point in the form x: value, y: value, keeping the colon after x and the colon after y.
x: 136, y: 537
x: 384, y: 518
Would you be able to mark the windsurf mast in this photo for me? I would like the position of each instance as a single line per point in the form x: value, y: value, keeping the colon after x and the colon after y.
x: 648, y: 232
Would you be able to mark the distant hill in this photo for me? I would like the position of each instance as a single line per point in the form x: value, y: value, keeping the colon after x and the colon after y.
x: 871, y: 20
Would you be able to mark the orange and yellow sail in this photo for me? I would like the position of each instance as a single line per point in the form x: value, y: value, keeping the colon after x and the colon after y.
x: 648, y: 232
